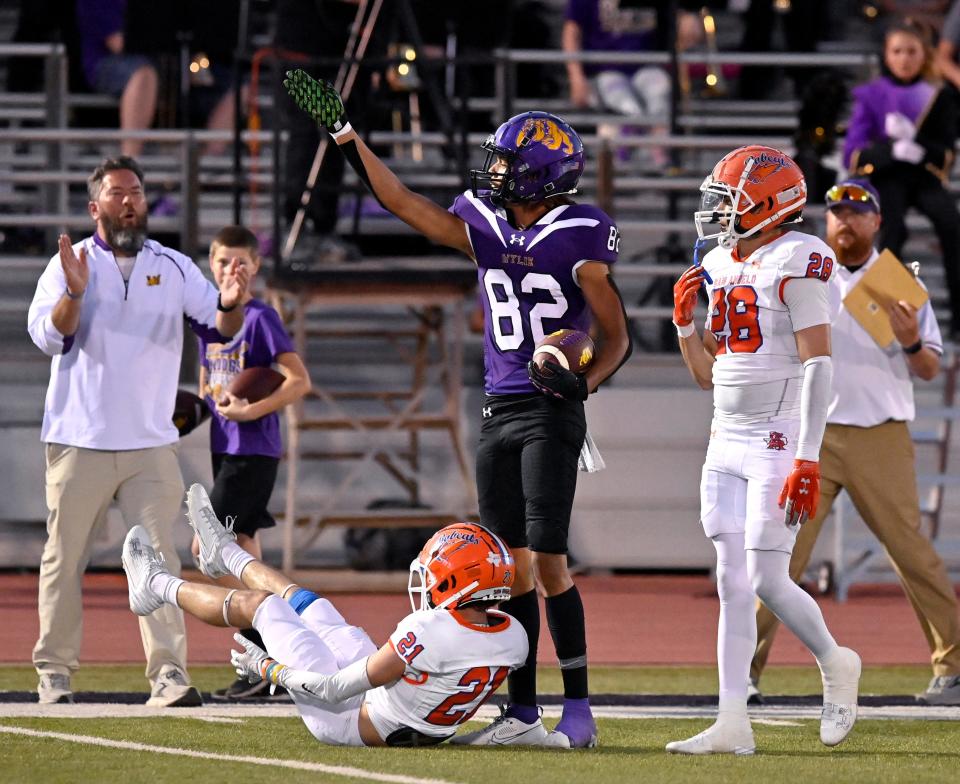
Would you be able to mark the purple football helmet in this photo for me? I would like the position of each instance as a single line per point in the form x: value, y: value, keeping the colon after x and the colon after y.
x: 543, y: 156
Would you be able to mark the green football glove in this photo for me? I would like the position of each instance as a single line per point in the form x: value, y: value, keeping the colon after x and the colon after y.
x: 319, y: 99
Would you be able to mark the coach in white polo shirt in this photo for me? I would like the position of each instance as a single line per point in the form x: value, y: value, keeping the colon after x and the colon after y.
x: 867, y: 449
x: 110, y: 311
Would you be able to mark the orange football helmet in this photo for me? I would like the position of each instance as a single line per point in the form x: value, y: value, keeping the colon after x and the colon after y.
x: 751, y: 190
x: 461, y: 564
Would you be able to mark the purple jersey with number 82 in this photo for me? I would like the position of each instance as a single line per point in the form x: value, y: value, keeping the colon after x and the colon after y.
x: 528, y: 280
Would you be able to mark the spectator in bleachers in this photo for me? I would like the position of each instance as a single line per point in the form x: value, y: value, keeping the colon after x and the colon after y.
x: 802, y: 24
x: 870, y: 406
x: 948, y: 53
x: 110, y: 69
x: 637, y: 91
x: 313, y: 28
x: 901, y: 136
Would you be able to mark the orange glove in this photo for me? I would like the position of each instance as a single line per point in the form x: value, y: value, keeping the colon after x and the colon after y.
x: 800, y: 495
x: 685, y: 295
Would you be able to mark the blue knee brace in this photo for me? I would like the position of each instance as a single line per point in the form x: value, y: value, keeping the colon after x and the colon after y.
x: 301, y: 599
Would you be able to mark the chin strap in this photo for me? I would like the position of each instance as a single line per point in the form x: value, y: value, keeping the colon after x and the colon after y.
x: 462, y: 592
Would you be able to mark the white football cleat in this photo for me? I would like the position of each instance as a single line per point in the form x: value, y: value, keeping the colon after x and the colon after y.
x: 505, y: 731
x: 210, y: 531
x: 141, y: 562
x: 720, y: 738
x: 841, y: 681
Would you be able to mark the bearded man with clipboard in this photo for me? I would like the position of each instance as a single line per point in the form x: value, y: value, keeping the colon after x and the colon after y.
x: 884, y: 332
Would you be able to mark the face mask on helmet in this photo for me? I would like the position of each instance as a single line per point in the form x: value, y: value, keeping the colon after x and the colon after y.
x: 751, y: 190
x: 531, y: 157
x: 460, y: 565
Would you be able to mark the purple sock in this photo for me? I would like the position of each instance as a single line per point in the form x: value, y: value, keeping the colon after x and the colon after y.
x: 528, y: 714
x: 577, y: 708
x: 577, y: 722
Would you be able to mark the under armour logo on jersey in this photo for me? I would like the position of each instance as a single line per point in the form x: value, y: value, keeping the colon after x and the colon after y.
x: 487, y: 412
x: 517, y: 239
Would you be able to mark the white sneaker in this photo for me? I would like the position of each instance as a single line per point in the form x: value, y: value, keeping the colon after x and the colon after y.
x: 505, y: 731
x: 841, y: 680
x: 210, y: 532
x: 54, y: 688
x: 171, y: 690
x: 726, y: 738
x: 141, y: 562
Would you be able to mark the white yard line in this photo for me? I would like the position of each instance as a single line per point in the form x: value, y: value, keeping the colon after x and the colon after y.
x: 317, y: 767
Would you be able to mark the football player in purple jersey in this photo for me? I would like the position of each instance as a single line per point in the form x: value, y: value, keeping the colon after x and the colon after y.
x: 543, y: 264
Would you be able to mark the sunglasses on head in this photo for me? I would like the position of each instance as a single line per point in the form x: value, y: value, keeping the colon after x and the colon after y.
x: 858, y: 193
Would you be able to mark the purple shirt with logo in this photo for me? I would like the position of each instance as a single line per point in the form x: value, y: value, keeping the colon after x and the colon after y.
x: 528, y: 280
x: 874, y: 100
x: 262, y: 339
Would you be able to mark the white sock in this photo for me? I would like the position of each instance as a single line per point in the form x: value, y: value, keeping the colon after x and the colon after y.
x: 167, y: 586
x: 235, y: 558
x: 737, y: 628
x: 799, y: 612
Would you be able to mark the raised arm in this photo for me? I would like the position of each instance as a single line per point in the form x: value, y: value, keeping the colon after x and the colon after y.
x: 322, y: 102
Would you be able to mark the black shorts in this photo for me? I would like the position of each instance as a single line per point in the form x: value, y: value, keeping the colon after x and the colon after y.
x: 527, y: 468
x: 242, y: 486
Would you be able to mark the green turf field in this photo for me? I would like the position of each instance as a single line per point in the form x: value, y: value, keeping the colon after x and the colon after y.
x: 281, y: 751
x: 603, y: 680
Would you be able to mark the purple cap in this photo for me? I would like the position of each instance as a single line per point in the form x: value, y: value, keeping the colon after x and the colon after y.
x: 857, y: 194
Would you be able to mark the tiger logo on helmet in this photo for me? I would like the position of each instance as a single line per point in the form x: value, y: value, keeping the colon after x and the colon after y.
x: 460, y: 565
x: 751, y: 190
x: 530, y: 157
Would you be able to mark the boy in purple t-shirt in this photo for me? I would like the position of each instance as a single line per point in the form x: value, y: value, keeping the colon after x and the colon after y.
x: 245, y: 442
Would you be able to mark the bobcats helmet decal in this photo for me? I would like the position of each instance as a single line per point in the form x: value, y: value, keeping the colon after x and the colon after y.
x: 751, y: 190
x: 461, y: 564
x: 547, y: 133
x: 531, y: 157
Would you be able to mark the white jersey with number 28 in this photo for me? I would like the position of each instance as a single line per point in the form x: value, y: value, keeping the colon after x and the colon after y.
x: 753, y: 326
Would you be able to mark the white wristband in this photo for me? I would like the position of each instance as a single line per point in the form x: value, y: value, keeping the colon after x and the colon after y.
x: 686, y: 330
x: 344, y: 130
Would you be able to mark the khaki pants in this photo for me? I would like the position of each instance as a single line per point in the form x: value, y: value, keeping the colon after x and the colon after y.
x: 81, y: 483
x: 875, y: 465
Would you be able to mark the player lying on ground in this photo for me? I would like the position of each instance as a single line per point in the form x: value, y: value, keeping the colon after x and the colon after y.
x: 543, y: 264
x: 440, y: 665
x: 765, y: 352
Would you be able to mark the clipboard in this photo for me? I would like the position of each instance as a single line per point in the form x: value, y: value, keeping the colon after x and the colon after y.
x: 886, y: 281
